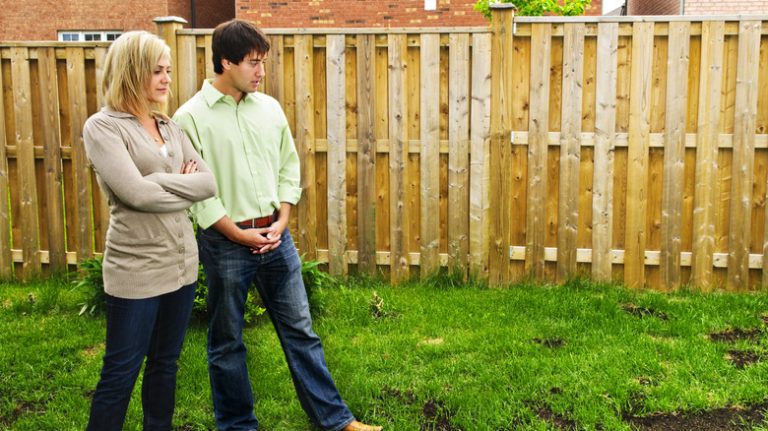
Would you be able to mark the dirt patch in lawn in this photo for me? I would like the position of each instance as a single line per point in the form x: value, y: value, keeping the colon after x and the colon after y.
x: 552, y: 343
x: 639, y: 311
x: 436, y: 417
x: 21, y: 408
x: 722, y: 419
x: 559, y: 421
x: 742, y: 358
x: 406, y: 397
x: 732, y: 335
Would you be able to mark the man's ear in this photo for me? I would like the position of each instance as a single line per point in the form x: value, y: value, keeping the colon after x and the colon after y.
x: 226, y: 64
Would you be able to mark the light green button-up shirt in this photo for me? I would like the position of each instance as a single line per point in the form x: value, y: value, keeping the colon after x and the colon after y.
x: 248, y: 147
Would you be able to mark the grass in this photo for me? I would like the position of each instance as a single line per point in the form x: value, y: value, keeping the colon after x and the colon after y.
x: 435, y: 356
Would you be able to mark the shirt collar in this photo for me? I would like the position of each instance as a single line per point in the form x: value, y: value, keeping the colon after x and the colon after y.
x: 212, y: 95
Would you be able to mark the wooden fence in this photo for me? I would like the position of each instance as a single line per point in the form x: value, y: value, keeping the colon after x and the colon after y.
x: 625, y: 149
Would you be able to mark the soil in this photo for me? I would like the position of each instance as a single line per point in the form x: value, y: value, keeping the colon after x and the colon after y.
x: 723, y: 419
x: 437, y: 418
x: 742, y: 358
x: 552, y: 343
x: 732, y: 335
x: 639, y: 311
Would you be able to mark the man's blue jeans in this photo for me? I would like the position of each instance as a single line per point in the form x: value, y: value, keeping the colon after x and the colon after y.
x: 151, y: 328
x: 230, y: 270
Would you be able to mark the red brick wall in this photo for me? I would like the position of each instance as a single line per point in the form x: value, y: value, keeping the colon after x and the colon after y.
x: 653, y: 7
x: 359, y: 13
x: 727, y: 7
x: 210, y: 13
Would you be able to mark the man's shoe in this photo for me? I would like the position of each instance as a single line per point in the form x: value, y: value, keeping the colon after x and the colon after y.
x: 359, y: 426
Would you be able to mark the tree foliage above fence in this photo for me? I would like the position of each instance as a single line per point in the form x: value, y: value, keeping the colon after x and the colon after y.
x: 538, y: 7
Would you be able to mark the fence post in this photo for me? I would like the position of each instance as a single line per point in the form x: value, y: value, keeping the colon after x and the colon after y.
x: 502, y: 28
x: 167, y: 26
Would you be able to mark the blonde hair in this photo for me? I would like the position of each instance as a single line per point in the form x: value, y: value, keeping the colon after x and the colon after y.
x: 129, y: 65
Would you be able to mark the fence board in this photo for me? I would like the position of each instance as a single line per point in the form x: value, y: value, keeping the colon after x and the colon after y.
x: 337, y: 156
x: 458, y: 153
x: 502, y: 64
x: 479, y: 158
x: 674, y: 153
x: 99, y: 57
x: 187, y: 58
x: 366, y: 155
x: 305, y: 144
x: 743, y: 154
x: 637, y: 167
x: 570, y: 150
x: 537, y: 150
x: 6, y: 259
x: 605, y: 135
x: 430, y: 156
x: 25, y: 160
x: 710, y: 87
x: 49, y: 107
x: 398, y: 156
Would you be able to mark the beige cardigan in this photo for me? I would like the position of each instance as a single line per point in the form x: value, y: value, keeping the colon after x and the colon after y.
x: 150, y: 248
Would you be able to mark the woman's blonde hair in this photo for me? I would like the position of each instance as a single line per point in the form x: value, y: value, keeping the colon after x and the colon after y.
x: 130, y: 62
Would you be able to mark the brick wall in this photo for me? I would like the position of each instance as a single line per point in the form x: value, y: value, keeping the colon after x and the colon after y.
x: 732, y: 7
x: 361, y: 13
x: 653, y: 7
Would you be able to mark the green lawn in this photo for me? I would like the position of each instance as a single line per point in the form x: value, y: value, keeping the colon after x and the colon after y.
x: 430, y: 357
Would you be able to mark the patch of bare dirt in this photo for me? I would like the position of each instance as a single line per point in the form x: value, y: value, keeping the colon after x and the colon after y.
x: 552, y: 343
x: 639, y: 311
x: 722, y: 419
x: 732, y: 335
x: 559, y: 421
x: 436, y: 417
x: 743, y: 358
x: 406, y: 397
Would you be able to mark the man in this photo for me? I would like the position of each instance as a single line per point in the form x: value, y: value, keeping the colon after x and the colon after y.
x: 244, y: 137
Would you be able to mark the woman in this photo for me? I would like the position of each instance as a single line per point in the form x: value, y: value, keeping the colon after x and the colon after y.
x: 151, y: 174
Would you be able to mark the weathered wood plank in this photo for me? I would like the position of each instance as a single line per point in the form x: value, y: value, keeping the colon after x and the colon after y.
x: 479, y: 178
x: 538, y: 127
x: 187, y: 58
x: 366, y: 155
x: 49, y: 107
x: 25, y: 161
x: 398, y: 157
x: 605, y: 143
x: 337, y: 156
x: 6, y: 260
x: 674, y: 154
x: 305, y: 145
x: 430, y: 152
x: 637, y: 164
x: 742, y: 173
x: 458, y: 152
x: 570, y: 150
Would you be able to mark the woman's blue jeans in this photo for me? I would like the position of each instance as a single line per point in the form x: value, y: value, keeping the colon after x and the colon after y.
x: 151, y: 328
x: 230, y: 270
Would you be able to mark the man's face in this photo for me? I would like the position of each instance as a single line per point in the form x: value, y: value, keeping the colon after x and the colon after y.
x: 247, y: 75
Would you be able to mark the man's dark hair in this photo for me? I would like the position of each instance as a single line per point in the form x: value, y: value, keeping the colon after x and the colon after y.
x: 234, y: 39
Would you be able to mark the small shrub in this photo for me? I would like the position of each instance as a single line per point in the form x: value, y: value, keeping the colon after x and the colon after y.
x: 91, y: 282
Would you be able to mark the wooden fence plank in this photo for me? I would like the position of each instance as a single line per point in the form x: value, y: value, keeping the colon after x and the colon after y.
x: 366, y: 155
x: 605, y: 143
x: 502, y: 68
x: 25, y: 160
x: 398, y: 157
x: 49, y: 107
x: 6, y: 259
x: 208, y: 60
x: 430, y: 156
x: 80, y: 168
x: 479, y: 158
x: 538, y: 126
x: 275, y: 85
x: 337, y: 156
x: 674, y: 153
x: 743, y: 154
x: 458, y: 152
x: 305, y: 145
x: 706, y: 190
x: 637, y: 164
x: 570, y: 150
x: 187, y: 58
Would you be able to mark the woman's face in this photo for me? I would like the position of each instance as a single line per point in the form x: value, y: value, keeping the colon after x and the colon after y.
x: 158, y: 87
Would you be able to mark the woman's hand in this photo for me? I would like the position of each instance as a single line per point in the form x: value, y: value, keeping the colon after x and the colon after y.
x: 189, y: 167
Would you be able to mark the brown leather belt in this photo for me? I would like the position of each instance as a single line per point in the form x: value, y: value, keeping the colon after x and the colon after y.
x: 260, y: 222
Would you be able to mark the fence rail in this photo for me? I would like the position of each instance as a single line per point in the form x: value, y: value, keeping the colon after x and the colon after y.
x: 622, y: 149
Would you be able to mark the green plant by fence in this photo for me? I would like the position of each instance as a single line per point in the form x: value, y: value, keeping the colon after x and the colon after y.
x: 632, y: 149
